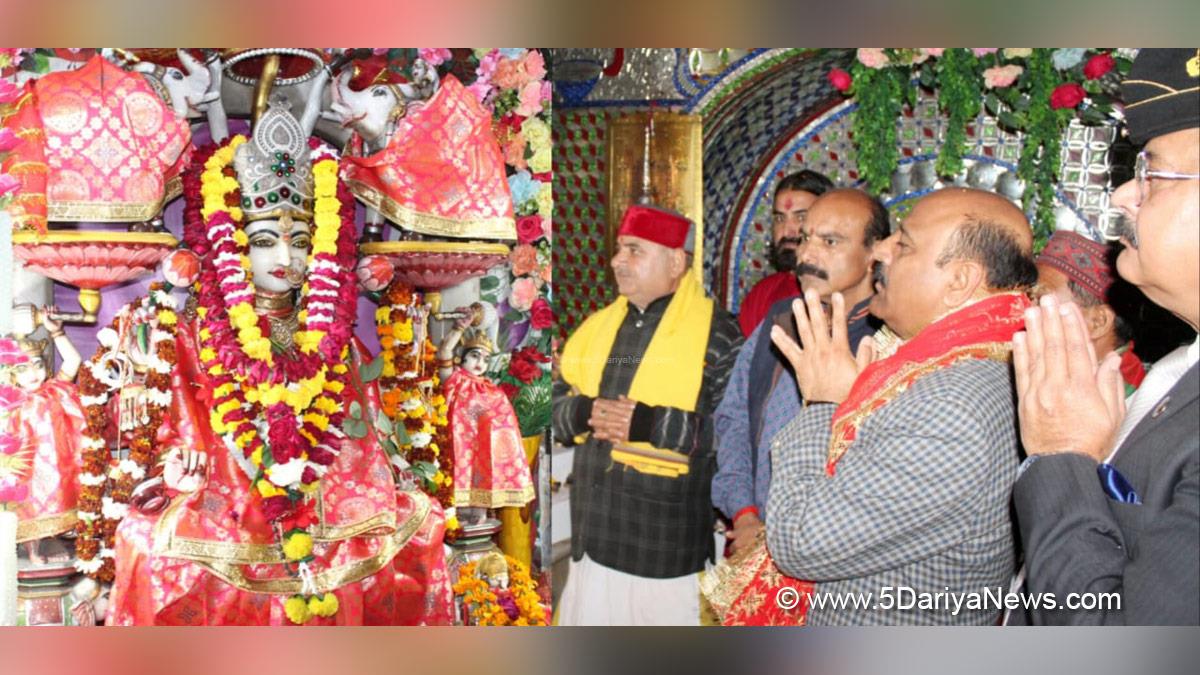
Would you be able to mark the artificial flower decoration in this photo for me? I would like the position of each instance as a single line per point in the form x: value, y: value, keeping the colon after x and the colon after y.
x: 1034, y: 92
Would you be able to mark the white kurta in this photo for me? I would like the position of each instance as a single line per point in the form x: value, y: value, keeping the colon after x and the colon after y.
x: 596, y: 595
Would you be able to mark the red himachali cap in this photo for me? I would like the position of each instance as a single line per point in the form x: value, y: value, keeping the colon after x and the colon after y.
x: 659, y: 226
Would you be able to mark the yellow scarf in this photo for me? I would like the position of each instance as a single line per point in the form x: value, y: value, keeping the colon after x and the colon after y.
x: 670, y: 372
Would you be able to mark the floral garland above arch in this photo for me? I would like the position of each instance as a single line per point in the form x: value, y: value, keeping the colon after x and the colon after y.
x: 1034, y: 92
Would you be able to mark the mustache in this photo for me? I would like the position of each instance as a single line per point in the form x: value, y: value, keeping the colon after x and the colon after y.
x: 1123, y: 229
x: 811, y: 270
x: 879, y: 275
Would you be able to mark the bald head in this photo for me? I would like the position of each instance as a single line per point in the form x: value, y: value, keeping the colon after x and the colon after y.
x: 957, y: 245
x: 984, y: 228
x: 954, y: 207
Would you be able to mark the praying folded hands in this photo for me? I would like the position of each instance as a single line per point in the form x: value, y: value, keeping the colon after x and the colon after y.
x: 1066, y: 401
x: 611, y: 419
x: 824, y: 365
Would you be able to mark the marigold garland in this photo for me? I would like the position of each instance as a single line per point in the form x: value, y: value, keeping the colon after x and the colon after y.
x: 300, y: 395
x: 484, y: 606
x: 106, y: 487
x: 408, y: 372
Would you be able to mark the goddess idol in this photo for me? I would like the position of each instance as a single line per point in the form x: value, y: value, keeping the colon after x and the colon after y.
x: 275, y: 513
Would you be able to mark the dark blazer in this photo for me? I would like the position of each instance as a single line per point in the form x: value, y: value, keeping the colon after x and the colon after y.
x: 1078, y: 540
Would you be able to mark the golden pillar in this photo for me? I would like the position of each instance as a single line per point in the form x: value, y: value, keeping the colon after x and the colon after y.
x: 655, y: 157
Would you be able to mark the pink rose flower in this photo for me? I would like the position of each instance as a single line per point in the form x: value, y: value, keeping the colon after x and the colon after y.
x: 534, y: 64
x: 487, y: 66
x: 935, y: 52
x: 8, y: 91
x: 873, y: 57
x: 524, y: 292
x: 8, y: 183
x: 531, y: 99
x: 1001, y: 76
x: 514, y: 152
x: 434, y: 57
x: 509, y: 74
x: 984, y: 51
x: 840, y: 80
x: 529, y: 229
x: 523, y: 260
x: 8, y: 140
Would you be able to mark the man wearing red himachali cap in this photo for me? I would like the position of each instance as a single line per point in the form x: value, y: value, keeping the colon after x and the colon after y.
x: 1076, y: 269
x: 640, y: 379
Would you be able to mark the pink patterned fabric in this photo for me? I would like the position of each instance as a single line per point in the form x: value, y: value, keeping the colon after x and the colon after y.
x: 442, y: 167
x: 439, y: 270
x: 163, y: 575
x: 489, y: 459
x: 49, y: 424
x: 111, y: 144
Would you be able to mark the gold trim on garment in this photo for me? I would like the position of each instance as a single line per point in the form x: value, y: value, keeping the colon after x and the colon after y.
x: 723, y: 584
x: 27, y: 167
x: 225, y: 560
x: 103, y: 212
x: 493, y: 499
x: 1170, y: 92
x: 167, y: 543
x: 46, y: 526
x: 172, y: 189
x: 498, y: 227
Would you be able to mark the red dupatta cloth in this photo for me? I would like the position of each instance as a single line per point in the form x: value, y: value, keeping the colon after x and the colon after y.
x: 748, y: 589
x: 982, y: 330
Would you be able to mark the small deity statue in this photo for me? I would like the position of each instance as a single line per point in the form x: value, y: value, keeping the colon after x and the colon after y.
x: 490, y: 471
x: 46, y: 416
x: 494, y: 570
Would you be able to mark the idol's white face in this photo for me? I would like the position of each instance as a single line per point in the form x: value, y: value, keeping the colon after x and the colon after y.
x: 278, y: 253
x: 475, y: 361
x: 30, y: 375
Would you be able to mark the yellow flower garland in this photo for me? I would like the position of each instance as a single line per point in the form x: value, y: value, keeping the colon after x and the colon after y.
x: 312, y: 399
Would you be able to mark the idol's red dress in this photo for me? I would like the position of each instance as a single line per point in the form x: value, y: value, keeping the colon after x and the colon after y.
x: 211, y: 558
x: 490, y: 470
x: 48, y: 425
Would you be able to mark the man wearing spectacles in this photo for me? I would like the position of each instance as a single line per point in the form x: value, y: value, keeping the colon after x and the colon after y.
x: 1109, y: 499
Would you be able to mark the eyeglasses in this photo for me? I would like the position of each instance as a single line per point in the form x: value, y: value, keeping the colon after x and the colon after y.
x: 1142, y: 174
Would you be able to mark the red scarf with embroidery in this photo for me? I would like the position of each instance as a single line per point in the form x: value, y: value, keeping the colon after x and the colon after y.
x: 984, y: 330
